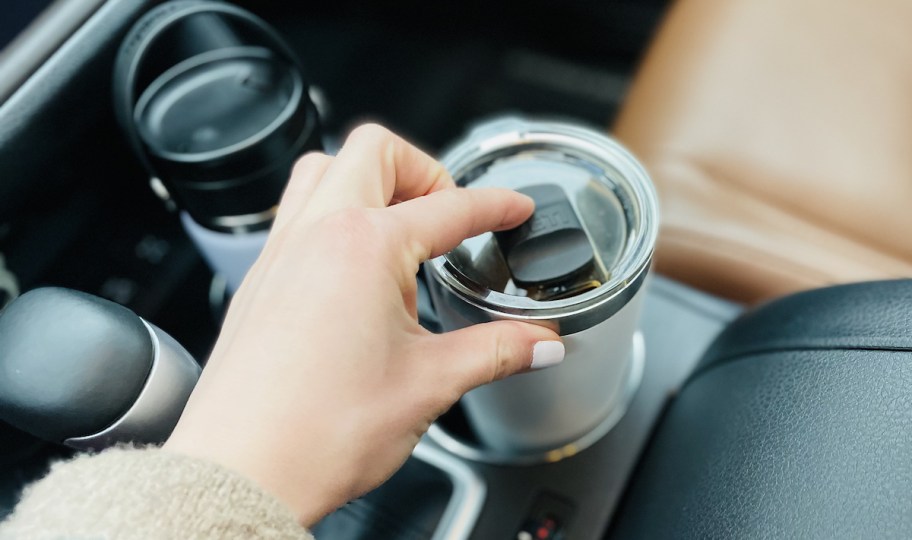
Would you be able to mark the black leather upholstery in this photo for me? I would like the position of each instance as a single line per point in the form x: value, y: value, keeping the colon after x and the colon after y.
x: 797, y: 424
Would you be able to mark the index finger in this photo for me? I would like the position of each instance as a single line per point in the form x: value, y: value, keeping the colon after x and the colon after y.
x: 436, y: 224
x: 373, y: 168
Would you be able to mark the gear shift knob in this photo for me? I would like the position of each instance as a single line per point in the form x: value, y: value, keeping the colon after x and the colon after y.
x: 86, y: 372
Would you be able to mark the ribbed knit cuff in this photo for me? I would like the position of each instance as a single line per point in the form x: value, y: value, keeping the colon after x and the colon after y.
x: 125, y: 493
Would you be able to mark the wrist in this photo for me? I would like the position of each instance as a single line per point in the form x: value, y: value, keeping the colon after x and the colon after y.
x: 305, y: 500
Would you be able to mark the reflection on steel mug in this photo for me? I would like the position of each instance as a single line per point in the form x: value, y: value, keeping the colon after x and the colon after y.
x: 579, y: 265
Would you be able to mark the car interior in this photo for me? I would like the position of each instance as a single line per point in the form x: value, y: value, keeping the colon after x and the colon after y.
x: 771, y: 381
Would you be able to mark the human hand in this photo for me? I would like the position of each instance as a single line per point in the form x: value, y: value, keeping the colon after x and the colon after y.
x: 322, y: 381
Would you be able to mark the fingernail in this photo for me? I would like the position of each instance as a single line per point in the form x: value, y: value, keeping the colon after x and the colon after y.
x: 547, y: 354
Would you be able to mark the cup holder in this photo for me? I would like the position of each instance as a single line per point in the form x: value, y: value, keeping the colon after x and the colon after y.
x: 434, y: 496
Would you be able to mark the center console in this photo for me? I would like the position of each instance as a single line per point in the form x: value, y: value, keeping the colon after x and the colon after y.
x: 573, y: 497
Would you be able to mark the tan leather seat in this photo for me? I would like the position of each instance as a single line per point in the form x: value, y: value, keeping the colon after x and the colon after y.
x: 779, y: 133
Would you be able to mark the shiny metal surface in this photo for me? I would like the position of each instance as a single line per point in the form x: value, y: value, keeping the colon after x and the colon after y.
x: 155, y: 413
x: 468, y: 495
x: 246, y: 223
x: 581, y: 315
x: 610, y: 191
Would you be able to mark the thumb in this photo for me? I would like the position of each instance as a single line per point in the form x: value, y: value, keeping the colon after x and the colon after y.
x: 492, y: 351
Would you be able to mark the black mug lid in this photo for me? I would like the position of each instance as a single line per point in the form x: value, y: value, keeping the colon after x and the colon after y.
x: 216, y: 106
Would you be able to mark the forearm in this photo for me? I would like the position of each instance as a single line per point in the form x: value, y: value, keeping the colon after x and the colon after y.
x: 147, y: 493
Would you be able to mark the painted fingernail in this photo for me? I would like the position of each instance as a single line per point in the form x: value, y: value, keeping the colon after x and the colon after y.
x: 547, y: 354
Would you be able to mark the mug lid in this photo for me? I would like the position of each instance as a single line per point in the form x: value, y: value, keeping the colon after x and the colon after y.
x: 588, y: 246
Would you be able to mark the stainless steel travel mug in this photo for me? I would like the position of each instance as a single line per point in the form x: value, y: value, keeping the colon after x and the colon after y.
x: 578, y: 264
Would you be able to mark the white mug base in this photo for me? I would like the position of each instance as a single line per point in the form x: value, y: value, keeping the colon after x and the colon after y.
x: 484, y: 454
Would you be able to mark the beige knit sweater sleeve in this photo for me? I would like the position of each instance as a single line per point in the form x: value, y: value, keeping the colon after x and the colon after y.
x: 126, y: 493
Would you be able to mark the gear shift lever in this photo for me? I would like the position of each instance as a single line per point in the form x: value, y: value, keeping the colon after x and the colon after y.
x: 86, y: 372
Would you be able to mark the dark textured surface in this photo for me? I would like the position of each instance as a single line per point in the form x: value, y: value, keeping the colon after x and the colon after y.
x: 798, y: 426
x: 44, y: 125
x: 407, y: 507
x: 874, y: 315
x: 60, y: 350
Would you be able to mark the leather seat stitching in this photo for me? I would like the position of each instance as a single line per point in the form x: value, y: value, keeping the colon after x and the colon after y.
x: 748, y: 353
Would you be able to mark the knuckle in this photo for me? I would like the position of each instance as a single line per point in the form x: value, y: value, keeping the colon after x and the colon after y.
x: 349, y: 228
x: 370, y: 133
x: 399, y: 232
x: 509, y: 347
x: 441, y: 175
x: 348, y: 219
x: 503, y: 348
x: 362, y: 232
x: 308, y: 161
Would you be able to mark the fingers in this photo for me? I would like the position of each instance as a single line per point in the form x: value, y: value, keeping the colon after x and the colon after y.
x: 305, y: 177
x: 482, y: 353
x: 437, y: 223
x: 373, y: 168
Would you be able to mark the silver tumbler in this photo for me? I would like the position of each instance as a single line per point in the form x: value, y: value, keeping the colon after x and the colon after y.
x: 578, y: 265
